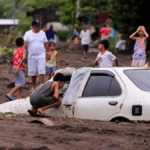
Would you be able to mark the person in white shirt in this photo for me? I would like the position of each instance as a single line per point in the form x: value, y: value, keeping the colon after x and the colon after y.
x: 85, y: 37
x: 105, y: 58
x: 37, y: 43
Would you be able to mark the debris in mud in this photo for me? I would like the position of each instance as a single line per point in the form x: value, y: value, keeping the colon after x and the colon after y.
x: 45, y: 121
x: 11, y: 85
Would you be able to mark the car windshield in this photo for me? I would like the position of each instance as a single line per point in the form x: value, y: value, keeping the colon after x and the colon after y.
x: 141, y: 78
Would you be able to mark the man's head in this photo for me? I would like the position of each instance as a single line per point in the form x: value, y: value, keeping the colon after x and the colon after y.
x: 19, y: 42
x: 103, y: 44
x: 60, y: 78
x: 51, y: 46
x: 36, y: 26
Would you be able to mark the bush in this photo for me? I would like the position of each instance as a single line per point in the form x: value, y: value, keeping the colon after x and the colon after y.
x: 148, y: 53
x: 6, y: 51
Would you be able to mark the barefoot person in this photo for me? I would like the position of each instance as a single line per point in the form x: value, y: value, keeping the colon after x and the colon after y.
x: 19, y: 55
x: 139, y: 56
x: 46, y: 95
x: 51, y: 58
x: 105, y: 58
x: 37, y: 43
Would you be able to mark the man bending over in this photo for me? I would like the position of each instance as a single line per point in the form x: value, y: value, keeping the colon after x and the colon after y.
x: 46, y: 95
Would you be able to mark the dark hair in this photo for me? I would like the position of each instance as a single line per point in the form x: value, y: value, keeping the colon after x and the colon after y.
x: 51, y: 26
x: 104, y: 25
x: 59, y: 77
x: 105, y: 43
x: 19, y: 41
x: 51, y: 43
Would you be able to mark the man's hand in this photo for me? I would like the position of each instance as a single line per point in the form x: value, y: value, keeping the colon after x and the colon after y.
x: 16, y: 69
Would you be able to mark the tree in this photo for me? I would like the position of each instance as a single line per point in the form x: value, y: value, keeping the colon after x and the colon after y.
x: 127, y: 15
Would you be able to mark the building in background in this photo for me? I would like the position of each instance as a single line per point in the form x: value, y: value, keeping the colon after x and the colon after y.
x: 6, y: 25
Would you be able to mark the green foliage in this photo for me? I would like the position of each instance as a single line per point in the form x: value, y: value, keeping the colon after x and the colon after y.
x: 67, y: 12
x: 63, y: 34
x: 148, y: 53
x: 6, y: 50
x: 127, y: 15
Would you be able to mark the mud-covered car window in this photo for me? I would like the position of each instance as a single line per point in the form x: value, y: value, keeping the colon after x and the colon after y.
x: 141, y: 78
x: 101, y: 85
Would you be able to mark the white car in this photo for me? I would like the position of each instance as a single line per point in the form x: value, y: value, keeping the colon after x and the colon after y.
x: 104, y: 94
x: 111, y: 93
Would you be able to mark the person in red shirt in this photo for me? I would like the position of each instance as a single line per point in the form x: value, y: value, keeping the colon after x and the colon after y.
x: 105, y: 31
x: 19, y: 68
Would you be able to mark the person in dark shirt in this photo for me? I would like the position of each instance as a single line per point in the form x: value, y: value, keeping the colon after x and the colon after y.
x: 50, y: 34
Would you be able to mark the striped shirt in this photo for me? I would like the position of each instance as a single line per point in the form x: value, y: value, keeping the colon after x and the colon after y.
x: 107, y: 59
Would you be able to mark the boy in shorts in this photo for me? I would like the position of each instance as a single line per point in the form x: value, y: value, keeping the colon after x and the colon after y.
x: 51, y: 58
x: 105, y: 58
x: 18, y: 70
x: 46, y: 95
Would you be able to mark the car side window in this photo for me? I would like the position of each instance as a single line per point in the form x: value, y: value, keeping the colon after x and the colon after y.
x: 115, y: 89
x: 101, y: 85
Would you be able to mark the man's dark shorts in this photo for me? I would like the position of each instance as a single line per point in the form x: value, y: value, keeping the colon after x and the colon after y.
x: 38, y: 103
x: 85, y: 47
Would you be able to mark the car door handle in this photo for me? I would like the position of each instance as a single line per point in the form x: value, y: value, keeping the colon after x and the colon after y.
x: 113, y: 103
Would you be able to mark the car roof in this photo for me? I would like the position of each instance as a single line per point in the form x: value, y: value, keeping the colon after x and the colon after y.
x: 118, y: 69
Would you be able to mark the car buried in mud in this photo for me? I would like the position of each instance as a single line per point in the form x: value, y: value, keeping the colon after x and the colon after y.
x: 108, y: 94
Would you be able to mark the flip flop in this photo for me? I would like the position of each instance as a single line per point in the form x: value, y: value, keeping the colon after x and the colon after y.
x: 10, y: 97
x: 32, y: 113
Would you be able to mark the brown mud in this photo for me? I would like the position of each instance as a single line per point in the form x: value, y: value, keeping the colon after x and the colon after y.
x: 17, y: 133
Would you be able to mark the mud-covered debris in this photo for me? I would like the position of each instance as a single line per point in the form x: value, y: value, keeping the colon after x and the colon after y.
x: 45, y: 121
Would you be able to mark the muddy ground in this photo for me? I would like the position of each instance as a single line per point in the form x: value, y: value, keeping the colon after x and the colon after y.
x: 17, y: 133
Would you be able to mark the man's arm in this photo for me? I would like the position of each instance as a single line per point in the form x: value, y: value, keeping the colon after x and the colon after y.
x: 119, y: 36
x: 25, y: 43
x: 58, y: 62
x: 46, y: 46
x: 23, y: 59
x: 56, y: 90
x: 116, y: 61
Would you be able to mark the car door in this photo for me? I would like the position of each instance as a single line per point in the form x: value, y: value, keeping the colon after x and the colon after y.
x: 102, y: 96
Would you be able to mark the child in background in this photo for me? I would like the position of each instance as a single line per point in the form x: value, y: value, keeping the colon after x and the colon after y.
x: 51, y: 57
x: 19, y: 55
x: 139, y: 56
x: 105, y: 58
